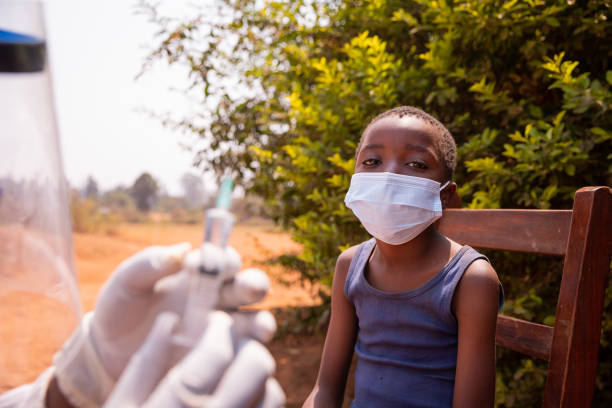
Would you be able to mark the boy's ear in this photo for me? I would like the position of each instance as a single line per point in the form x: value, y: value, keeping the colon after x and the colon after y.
x: 449, y: 197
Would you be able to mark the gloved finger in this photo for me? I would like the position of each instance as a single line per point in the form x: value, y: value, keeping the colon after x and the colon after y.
x: 209, y: 259
x: 274, y: 397
x: 233, y: 262
x: 248, y: 286
x: 140, y: 272
x: 244, y: 382
x: 203, y: 367
x: 191, y: 381
x: 259, y: 325
x: 148, y: 365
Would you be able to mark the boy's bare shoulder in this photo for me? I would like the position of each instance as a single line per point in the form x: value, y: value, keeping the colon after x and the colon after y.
x: 479, y: 280
x: 481, y: 272
x: 344, y: 260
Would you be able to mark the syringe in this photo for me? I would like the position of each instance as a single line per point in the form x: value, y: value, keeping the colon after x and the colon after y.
x: 219, y: 221
x: 206, y: 274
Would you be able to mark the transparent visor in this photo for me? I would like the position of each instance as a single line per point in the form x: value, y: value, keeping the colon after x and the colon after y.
x: 39, y: 299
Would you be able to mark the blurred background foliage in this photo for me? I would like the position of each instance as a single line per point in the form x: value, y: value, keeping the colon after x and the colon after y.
x: 95, y: 211
x: 524, y: 86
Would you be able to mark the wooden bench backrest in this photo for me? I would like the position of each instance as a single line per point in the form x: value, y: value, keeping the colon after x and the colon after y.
x: 584, y: 236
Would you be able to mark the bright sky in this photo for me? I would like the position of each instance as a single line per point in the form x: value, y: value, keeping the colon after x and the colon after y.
x: 96, y: 48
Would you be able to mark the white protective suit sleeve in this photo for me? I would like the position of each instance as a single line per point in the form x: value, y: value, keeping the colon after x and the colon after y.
x: 29, y: 395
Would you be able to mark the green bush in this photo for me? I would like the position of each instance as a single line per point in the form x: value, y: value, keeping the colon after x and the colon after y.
x: 88, y: 217
x: 524, y: 86
x: 119, y: 202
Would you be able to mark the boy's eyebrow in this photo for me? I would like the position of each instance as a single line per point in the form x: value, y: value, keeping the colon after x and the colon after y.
x: 408, y: 146
x: 418, y: 148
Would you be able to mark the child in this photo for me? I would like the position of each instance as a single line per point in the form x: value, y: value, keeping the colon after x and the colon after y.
x: 418, y: 309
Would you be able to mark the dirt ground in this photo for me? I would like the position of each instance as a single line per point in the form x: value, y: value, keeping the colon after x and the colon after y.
x: 97, y: 255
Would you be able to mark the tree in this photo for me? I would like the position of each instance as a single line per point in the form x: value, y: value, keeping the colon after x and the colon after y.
x: 91, y: 188
x: 193, y: 188
x: 144, y: 191
x: 523, y: 86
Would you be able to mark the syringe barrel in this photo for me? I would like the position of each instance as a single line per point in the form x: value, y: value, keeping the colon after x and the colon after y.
x: 206, y: 276
x: 219, y: 224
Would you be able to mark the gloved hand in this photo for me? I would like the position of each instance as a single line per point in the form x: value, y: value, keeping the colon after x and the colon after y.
x: 150, y: 282
x: 222, y: 371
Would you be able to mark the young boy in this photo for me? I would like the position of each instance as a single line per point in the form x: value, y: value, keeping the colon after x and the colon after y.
x: 418, y: 308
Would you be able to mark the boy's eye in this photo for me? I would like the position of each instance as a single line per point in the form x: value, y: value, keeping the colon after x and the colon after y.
x: 370, y: 162
x: 417, y: 165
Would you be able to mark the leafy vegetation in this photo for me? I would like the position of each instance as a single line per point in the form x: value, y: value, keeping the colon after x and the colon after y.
x: 524, y: 86
x: 94, y: 210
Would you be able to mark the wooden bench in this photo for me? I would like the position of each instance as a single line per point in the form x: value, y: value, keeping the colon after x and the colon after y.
x: 583, y: 236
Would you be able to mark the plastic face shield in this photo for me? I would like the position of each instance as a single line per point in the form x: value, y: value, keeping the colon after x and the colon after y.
x: 39, y: 299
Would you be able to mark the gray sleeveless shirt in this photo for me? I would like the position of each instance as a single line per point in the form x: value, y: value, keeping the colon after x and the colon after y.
x: 407, y: 342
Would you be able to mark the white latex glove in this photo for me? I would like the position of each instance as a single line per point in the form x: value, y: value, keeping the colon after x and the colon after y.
x: 148, y: 283
x: 224, y: 370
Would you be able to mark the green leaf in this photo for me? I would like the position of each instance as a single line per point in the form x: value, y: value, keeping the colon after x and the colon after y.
x: 604, y: 135
x: 553, y: 22
x: 509, y: 5
x: 402, y: 15
x: 549, y: 192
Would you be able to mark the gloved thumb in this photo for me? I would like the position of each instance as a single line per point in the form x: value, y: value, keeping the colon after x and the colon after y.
x: 147, y: 367
x: 141, y: 272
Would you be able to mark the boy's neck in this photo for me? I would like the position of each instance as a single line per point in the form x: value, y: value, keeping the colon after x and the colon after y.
x: 414, y: 251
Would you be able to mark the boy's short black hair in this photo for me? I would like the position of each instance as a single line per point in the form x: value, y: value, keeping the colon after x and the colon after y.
x: 445, y: 143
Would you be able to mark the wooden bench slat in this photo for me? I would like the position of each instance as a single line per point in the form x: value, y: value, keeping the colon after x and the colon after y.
x: 525, y: 337
x: 533, y: 231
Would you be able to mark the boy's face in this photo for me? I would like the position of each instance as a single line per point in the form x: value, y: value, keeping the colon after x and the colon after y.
x: 403, y: 146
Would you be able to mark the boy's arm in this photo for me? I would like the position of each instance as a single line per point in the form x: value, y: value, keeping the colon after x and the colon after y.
x: 338, y: 351
x: 475, y: 305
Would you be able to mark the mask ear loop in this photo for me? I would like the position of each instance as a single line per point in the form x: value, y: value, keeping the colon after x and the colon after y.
x: 442, y: 187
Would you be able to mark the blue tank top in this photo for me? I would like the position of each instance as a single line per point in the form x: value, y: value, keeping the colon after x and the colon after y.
x: 407, y: 342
